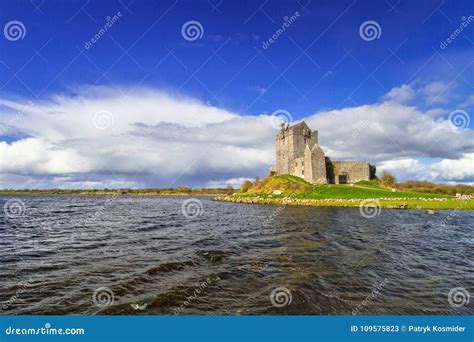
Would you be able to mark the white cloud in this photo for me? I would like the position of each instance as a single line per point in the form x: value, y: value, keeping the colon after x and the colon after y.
x: 403, y: 168
x: 35, y: 156
x: 437, y: 92
x: 432, y: 93
x: 71, y: 117
x: 388, y: 130
x: 159, y: 139
x: 403, y: 94
x: 460, y: 170
x: 454, y: 169
x: 469, y: 102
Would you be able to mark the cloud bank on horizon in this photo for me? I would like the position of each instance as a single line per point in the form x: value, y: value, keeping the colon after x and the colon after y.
x: 105, y: 137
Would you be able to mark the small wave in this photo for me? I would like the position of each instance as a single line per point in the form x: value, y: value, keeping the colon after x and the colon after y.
x: 168, y: 267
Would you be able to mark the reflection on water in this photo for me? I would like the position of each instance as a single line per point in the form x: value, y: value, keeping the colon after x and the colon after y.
x: 141, y: 255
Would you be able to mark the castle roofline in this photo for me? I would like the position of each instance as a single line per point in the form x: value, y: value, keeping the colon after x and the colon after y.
x: 316, y: 148
x: 298, y: 128
x: 299, y: 125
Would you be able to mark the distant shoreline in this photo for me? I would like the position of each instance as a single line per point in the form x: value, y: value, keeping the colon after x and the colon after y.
x: 118, y: 192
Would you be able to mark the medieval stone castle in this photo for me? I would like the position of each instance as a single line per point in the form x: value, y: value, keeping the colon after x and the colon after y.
x: 299, y: 154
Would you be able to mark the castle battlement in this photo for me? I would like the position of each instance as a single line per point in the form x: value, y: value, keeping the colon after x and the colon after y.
x: 298, y: 153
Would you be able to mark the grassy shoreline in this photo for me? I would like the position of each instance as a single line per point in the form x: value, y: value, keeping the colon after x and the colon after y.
x: 390, y: 203
x: 291, y: 190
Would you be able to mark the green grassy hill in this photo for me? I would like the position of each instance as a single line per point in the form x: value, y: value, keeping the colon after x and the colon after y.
x: 299, y: 188
x: 285, y: 183
x: 287, y: 190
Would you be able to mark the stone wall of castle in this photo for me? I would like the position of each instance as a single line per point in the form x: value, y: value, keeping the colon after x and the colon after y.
x: 315, y: 165
x: 299, y: 167
x: 354, y: 171
x: 284, y: 153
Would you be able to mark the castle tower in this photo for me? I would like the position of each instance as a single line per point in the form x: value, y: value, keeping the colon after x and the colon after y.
x: 315, y: 165
x: 291, y: 142
x: 299, y: 154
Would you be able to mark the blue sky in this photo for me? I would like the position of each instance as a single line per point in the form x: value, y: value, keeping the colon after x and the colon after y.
x: 320, y: 65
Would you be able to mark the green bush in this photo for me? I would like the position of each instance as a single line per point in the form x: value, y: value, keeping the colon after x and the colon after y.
x: 388, y: 179
x: 184, y: 189
x: 246, y: 186
x: 229, y: 189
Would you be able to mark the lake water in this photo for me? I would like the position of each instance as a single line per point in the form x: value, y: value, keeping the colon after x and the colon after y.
x: 152, y: 255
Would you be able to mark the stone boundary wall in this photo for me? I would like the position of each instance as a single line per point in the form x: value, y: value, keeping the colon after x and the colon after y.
x: 356, y: 171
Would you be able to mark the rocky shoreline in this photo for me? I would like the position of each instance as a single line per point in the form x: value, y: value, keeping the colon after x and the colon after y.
x: 385, y: 202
